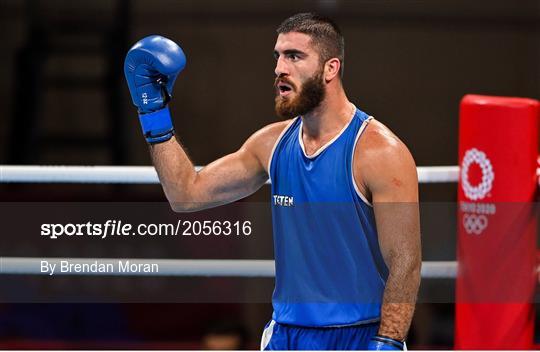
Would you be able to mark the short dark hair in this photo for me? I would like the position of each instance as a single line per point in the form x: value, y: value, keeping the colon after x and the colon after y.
x: 324, y: 33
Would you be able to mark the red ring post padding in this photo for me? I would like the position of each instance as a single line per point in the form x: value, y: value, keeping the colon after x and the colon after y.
x: 498, y: 149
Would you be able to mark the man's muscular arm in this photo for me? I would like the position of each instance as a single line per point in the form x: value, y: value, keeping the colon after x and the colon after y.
x: 151, y: 68
x: 225, y: 180
x: 388, y: 174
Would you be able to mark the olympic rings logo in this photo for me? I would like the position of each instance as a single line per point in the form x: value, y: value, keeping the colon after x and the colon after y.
x: 474, y: 224
x: 482, y: 189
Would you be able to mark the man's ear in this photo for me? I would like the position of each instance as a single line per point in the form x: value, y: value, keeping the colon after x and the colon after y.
x: 331, y: 69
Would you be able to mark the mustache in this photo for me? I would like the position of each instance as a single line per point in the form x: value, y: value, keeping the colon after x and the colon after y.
x: 283, y: 79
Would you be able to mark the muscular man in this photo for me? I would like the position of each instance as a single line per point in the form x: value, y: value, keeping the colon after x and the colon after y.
x: 344, y: 192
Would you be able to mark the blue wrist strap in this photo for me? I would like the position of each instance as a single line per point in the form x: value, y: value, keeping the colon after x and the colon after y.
x: 382, y: 343
x: 157, y: 126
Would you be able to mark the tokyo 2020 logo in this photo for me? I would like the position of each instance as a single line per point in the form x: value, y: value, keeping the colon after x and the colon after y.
x: 479, y: 191
x: 475, y: 224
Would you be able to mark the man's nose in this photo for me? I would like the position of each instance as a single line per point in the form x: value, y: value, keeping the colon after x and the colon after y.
x: 281, y: 67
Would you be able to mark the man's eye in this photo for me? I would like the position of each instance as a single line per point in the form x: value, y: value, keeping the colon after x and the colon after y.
x: 293, y: 57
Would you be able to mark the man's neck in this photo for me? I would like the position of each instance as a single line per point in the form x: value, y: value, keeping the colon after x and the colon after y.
x: 328, y: 118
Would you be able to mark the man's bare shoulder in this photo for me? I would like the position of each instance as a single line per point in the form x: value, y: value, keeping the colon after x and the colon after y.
x: 380, y: 155
x: 262, y: 142
x: 378, y: 139
x: 271, y: 132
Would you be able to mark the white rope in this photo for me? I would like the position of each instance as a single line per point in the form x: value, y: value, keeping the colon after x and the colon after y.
x: 185, y: 267
x: 148, y: 175
x: 438, y: 174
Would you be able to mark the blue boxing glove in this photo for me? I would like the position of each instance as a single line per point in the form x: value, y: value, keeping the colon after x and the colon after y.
x: 383, y: 343
x: 151, y: 67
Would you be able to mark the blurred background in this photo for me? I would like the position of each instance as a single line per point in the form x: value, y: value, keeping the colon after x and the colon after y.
x: 65, y: 102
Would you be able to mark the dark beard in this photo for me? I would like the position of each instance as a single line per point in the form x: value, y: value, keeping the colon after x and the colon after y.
x: 310, y: 96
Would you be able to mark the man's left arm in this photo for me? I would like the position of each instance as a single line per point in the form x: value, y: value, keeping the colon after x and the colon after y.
x: 389, y: 175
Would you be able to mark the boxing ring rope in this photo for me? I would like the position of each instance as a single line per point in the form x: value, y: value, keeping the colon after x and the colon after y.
x: 148, y: 175
x: 190, y: 267
x: 175, y: 267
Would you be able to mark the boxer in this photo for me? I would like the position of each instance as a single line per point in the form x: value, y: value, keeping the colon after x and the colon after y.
x: 344, y: 191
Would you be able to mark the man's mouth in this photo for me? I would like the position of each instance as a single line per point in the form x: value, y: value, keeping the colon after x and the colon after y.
x: 284, y: 89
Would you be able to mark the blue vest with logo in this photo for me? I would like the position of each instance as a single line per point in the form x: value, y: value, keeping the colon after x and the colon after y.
x: 329, y: 268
